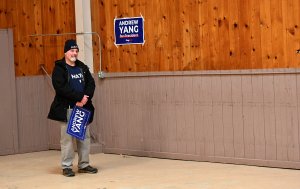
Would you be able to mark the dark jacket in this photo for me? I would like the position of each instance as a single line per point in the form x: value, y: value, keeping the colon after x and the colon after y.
x: 65, y: 96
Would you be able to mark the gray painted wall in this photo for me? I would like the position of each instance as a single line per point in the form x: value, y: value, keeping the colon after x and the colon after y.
x: 231, y: 118
x: 8, y: 111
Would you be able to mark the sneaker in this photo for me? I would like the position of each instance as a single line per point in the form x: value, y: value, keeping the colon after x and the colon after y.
x: 68, y: 172
x: 88, y: 169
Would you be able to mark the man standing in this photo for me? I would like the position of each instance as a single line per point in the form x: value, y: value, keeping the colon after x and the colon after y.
x: 74, y: 85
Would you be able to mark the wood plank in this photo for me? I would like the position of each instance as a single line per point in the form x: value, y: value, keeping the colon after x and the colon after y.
x: 214, y: 47
x: 278, y: 33
x: 227, y: 116
x: 189, y: 35
x: 237, y: 114
x: 281, y: 122
x: 163, y: 106
x: 206, y: 90
x: 103, y: 110
x: 245, y: 35
x: 270, y: 117
x: 292, y: 118
x: 217, y: 108
x: 153, y: 124
x: 136, y: 135
x: 266, y: 41
x: 234, y: 40
x: 189, y: 114
x: 198, y: 116
x: 291, y: 16
x: 223, y: 35
x: 255, y: 31
x: 249, y: 137
x: 187, y: 30
x: 205, y: 35
x: 171, y: 113
x: 195, y: 28
x: 181, y: 130
x: 28, y: 124
x: 258, y: 117
x: 9, y: 142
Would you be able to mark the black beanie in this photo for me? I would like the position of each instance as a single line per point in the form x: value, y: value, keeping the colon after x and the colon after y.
x: 70, y: 44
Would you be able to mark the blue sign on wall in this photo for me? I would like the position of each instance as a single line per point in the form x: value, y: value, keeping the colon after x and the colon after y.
x: 129, y: 31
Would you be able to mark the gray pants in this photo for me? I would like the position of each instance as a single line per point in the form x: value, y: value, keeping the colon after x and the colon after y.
x: 67, y: 148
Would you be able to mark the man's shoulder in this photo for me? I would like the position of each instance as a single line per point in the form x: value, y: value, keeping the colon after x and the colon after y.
x: 59, y: 62
x: 79, y: 63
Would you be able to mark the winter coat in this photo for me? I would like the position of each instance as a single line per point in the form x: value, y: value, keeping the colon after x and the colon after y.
x: 65, y: 96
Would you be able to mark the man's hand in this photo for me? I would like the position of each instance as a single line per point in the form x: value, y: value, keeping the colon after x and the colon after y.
x: 79, y: 104
x: 85, y: 99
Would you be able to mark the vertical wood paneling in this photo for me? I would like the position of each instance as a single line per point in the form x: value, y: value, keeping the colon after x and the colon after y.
x: 234, y: 40
x: 255, y: 42
x: 32, y: 114
x: 204, y: 30
x: 217, y: 108
x: 203, y: 35
x: 206, y: 90
x: 269, y: 117
x: 198, y: 116
x: 244, y: 34
x: 189, y: 35
x: 223, y: 24
x: 163, y: 106
x: 120, y: 116
x: 102, y: 113
x: 237, y: 114
x: 159, y: 100
x: 147, y: 128
x: 132, y: 122
x: 181, y: 130
x: 258, y: 117
x: 292, y: 118
x: 187, y: 30
x: 249, y: 138
x: 227, y: 116
x: 189, y: 115
x: 292, y: 13
x: 278, y: 33
x: 8, y: 113
x: 281, y: 123
x: 298, y: 103
x: 251, y: 119
x: 171, y: 113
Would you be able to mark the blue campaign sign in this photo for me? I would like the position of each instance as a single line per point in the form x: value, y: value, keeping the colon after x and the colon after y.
x: 78, y: 122
x: 129, y: 30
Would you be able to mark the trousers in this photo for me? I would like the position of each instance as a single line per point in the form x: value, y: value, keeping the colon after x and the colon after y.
x: 67, y: 143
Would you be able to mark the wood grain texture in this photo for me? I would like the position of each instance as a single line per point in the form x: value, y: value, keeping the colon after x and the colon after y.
x: 179, y: 34
x: 202, y: 35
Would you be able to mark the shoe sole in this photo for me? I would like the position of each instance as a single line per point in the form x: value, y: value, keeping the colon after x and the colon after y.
x: 70, y: 175
x: 83, y: 171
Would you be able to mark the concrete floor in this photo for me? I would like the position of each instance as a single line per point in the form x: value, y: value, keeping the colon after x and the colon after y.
x: 42, y: 170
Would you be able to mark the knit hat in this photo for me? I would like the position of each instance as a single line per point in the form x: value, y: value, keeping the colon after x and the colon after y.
x: 70, y: 44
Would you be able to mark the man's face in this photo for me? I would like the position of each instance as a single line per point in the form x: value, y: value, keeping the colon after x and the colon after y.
x: 72, y: 55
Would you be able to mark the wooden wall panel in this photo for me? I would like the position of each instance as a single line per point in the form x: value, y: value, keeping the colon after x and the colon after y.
x: 189, y: 35
x: 269, y: 116
x: 32, y: 114
x: 201, y: 35
x: 28, y: 17
x: 243, y: 119
x: 258, y: 117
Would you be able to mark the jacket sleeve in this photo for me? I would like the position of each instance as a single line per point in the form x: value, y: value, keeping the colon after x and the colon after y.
x: 89, y: 83
x: 61, y: 86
